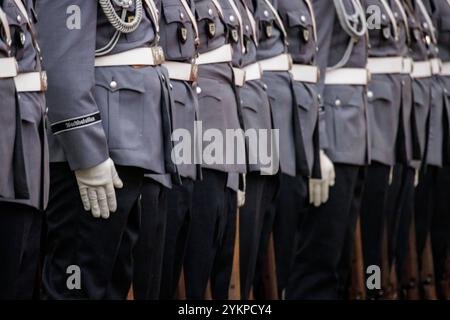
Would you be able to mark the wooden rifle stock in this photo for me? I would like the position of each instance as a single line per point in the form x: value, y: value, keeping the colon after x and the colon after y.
x: 358, y: 287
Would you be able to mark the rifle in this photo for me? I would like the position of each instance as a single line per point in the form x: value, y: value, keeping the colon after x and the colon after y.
x: 234, y: 292
x: 427, y: 272
x: 181, y: 290
x: 357, y: 287
x: 409, y: 281
x: 270, y: 272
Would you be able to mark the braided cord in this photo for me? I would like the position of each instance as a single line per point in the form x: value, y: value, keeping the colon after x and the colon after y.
x: 117, y: 22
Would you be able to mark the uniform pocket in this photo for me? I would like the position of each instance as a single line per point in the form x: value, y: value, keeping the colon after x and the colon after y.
x: 345, y: 108
x: 178, y: 33
x: 120, y: 98
x: 303, y: 97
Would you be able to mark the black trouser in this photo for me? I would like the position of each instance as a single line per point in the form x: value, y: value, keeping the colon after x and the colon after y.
x: 400, y: 209
x: 326, y: 240
x: 179, y: 215
x: 440, y: 229
x: 425, y: 201
x: 250, y: 226
x: 373, y: 215
x: 20, y: 232
x: 100, y: 249
x: 149, y: 250
x: 270, y: 196
x: 210, y: 248
x: 292, y: 206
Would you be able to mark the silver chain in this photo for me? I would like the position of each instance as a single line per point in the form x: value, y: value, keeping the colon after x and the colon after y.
x: 118, y: 22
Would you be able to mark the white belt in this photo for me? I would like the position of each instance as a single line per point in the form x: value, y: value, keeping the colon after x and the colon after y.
x: 182, y: 71
x: 305, y: 73
x: 31, y: 82
x: 219, y: 55
x: 390, y: 65
x: 283, y: 62
x: 248, y: 73
x: 152, y: 56
x: 436, y: 66
x: 407, y: 66
x: 445, y: 69
x: 350, y: 76
x: 8, y: 67
x: 421, y: 69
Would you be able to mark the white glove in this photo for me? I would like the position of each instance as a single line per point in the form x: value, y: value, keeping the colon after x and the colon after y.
x: 97, y: 191
x: 319, y: 190
x: 241, y: 193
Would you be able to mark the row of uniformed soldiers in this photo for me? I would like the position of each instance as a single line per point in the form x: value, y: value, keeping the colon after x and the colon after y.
x: 362, y: 119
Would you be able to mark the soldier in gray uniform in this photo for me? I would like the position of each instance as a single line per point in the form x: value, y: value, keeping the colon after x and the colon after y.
x: 405, y: 206
x: 255, y: 109
x: 276, y: 63
x: 180, y: 39
x: 211, y: 239
x: 297, y: 195
x: 438, y: 220
x: 23, y: 149
x: 322, y: 261
x: 109, y: 112
x: 388, y: 46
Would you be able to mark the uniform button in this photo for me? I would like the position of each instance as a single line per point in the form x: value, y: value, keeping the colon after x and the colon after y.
x: 247, y: 27
x: 231, y: 18
x: 383, y: 16
x: 210, y: 12
x: 19, y: 18
x: 266, y: 13
x: 338, y: 103
x: 181, y: 15
x: 370, y: 94
x: 265, y: 87
x: 242, y: 101
x: 425, y: 25
x: 303, y: 18
x: 113, y: 84
x: 396, y: 14
x: 198, y: 90
x: 403, y: 82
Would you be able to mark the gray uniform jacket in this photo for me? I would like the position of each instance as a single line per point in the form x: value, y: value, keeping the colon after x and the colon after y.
x: 345, y: 137
x: 216, y: 93
x: 384, y: 91
x: 440, y: 12
x: 299, y: 22
x: 10, y: 123
x: 31, y: 105
x: 253, y: 99
x: 95, y: 113
x: 178, y: 42
x: 285, y: 115
x: 421, y: 89
x: 436, y: 121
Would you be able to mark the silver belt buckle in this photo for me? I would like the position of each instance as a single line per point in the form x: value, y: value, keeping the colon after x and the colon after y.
x: 158, y: 55
x: 44, y: 82
x: 194, y: 73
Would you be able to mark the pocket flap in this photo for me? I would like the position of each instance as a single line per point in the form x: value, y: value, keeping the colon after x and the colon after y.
x: 130, y: 79
x: 303, y: 96
x: 175, y: 13
x: 380, y: 90
x: 205, y: 11
x: 299, y: 18
x: 342, y: 95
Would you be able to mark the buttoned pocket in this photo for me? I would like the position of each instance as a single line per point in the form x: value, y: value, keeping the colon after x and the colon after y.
x: 345, y: 115
x: 120, y: 98
x: 209, y: 23
x: 300, y: 31
x: 177, y: 33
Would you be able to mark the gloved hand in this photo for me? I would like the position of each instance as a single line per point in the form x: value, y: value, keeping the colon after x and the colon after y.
x: 319, y: 190
x: 97, y: 191
x: 241, y: 193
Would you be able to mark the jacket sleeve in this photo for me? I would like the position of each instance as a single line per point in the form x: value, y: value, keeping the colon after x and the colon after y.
x: 325, y: 16
x: 67, y: 33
